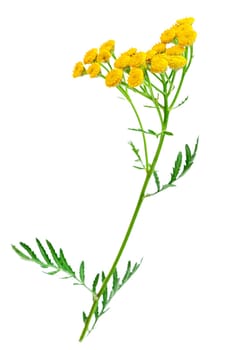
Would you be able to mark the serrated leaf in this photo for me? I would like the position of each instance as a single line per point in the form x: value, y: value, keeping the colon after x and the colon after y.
x: 169, y: 133
x: 189, y: 157
x: 176, y: 168
x: 84, y: 317
x: 95, y: 282
x: 138, y: 167
x: 64, y: 263
x: 21, y: 254
x: 53, y: 253
x: 181, y: 103
x: 52, y: 272
x: 82, y: 272
x: 105, y: 292
x: 127, y: 273
x: 43, y: 252
x: 157, y: 181
x: 97, y: 312
x: 115, y: 281
x: 30, y: 252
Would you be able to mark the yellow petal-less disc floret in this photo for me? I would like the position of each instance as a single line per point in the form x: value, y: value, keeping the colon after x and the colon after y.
x: 108, y: 45
x: 175, y: 50
x: 186, y: 38
x: 136, y: 77
x: 113, y: 78
x: 176, y: 62
x: 103, y: 55
x: 158, y: 64
x: 78, y: 70
x: 90, y: 56
x: 138, y: 60
x: 122, y: 61
x: 159, y: 48
x: 94, y: 70
x: 130, y: 52
x: 187, y: 20
x: 150, y: 54
x: 168, y: 36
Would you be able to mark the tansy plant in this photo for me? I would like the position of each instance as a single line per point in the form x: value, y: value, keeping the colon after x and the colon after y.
x: 157, y: 75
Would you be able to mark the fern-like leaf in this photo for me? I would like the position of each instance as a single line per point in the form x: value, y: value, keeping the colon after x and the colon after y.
x: 65, y: 265
x: 127, y: 273
x: 31, y: 253
x: 21, y: 254
x: 176, y: 168
x: 95, y: 282
x: 105, y: 293
x: 43, y: 252
x: 82, y: 272
x: 157, y: 181
x: 54, y: 254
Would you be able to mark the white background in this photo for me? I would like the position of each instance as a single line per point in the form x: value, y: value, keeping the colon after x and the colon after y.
x: 66, y: 175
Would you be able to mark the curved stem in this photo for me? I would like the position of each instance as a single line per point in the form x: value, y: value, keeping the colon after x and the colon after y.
x: 128, y: 232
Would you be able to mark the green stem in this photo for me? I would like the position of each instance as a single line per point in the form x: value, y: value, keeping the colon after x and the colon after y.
x: 126, y: 95
x: 128, y: 232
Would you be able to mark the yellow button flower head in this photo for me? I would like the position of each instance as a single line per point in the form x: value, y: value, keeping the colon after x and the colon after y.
x: 176, y: 62
x: 78, y: 70
x: 122, y: 61
x: 103, y: 56
x: 168, y: 36
x: 94, y: 70
x: 136, y: 77
x: 150, y: 54
x: 187, y: 20
x: 138, y: 60
x: 113, y: 78
x: 159, y: 48
x: 108, y: 45
x: 90, y: 56
x: 175, y: 50
x: 186, y: 37
x: 130, y: 52
x: 158, y: 64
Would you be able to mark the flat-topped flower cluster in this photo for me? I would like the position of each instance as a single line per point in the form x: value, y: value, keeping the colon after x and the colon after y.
x: 130, y: 67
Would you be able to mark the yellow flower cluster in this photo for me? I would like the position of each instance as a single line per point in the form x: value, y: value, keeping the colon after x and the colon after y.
x: 94, y: 58
x: 131, y: 65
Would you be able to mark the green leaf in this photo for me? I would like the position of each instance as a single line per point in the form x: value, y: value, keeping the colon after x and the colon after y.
x: 64, y: 263
x: 169, y: 133
x: 43, y: 252
x: 31, y: 253
x: 54, y: 254
x: 189, y: 157
x: 181, y: 103
x: 105, y: 292
x: 115, y: 281
x: 97, y: 312
x: 22, y: 255
x: 176, y: 168
x: 82, y: 272
x: 52, y: 272
x: 95, y: 282
x: 127, y: 273
x: 84, y: 317
x: 157, y: 181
